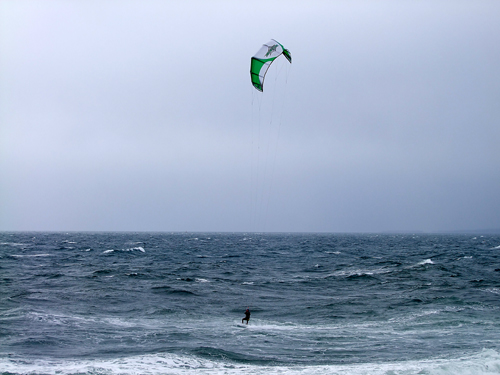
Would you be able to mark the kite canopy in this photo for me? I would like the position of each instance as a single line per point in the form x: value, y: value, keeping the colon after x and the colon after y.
x: 263, y: 59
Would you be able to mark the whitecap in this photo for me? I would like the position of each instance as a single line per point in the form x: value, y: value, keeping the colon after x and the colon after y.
x: 427, y: 261
x: 139, y: 248
x: 14, y: 244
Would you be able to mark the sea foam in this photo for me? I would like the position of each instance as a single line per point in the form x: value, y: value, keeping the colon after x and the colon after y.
x: 486, y: 362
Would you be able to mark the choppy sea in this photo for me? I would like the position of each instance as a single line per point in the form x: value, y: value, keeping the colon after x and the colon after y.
x: 172, y: 303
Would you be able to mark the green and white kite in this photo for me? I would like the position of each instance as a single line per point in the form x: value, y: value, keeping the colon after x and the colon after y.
x: 263, y: 59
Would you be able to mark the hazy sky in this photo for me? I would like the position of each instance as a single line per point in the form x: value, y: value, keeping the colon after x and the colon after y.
x: 140, y: 116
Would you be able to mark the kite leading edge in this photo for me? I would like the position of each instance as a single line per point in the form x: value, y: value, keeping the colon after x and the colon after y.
x: 263, y: 59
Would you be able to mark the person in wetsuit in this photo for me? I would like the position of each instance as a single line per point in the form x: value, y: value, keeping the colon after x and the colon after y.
x: 247, y: 316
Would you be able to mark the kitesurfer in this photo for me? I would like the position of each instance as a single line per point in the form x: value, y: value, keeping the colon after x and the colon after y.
x: 247, y: 316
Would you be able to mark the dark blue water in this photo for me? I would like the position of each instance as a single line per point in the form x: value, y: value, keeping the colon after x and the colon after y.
x: 158, y: 303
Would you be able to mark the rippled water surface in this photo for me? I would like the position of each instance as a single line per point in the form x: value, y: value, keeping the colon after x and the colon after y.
x: 159, y: 303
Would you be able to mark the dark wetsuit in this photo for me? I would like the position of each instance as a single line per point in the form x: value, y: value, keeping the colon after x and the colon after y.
x: 247, y: 316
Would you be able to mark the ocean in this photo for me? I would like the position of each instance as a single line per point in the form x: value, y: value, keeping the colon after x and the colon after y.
x: 172, y: 303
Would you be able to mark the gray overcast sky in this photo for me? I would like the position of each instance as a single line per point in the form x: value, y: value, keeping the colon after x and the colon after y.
x: 140, y: 115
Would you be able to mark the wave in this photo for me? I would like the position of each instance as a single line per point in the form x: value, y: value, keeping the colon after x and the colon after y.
x: 90, y: 323
x: 486, y: 362
x: 169, y: 290
x: 355, y: 273
x: 102, y: 272
x: 427, y: 261
x: 30, y: 255
x: 14, y: 244
x: 493, y: 290
x: 420, y: 264
x: 138, y: 248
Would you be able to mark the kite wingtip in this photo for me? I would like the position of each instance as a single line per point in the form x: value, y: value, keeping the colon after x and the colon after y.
x: 258, y: 87
x: 288, y: 55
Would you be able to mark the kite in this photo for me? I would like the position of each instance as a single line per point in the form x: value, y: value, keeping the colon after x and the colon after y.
x: 263, y: 59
